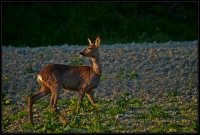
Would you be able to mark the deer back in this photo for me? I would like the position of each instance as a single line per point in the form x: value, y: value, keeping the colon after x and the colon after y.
x: 69, y: 77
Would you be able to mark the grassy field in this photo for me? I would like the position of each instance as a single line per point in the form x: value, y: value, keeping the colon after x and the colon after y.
x: 40, y: 24
x: 120, y: 115
x: 172, y: 111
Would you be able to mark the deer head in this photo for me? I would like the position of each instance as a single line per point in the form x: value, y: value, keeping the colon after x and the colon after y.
x: 92, y: 49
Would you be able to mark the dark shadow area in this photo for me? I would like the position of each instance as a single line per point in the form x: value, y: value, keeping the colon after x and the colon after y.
x: 46, y: 23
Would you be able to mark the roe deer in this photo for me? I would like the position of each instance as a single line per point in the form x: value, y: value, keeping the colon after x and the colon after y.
x: 83, y: 79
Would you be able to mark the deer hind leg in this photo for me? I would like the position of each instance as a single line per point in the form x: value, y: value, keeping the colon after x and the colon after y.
x: 54, y: 96
x: 43, y: 91
x: 53, y: 104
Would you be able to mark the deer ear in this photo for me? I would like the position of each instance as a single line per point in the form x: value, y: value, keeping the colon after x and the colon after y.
x: 90, y: 43
x: 97, y: 41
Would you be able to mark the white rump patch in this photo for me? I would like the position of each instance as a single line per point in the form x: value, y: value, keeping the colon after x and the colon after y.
x: 39, y: 78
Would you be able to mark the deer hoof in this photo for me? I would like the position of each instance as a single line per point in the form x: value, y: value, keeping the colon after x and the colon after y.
x: 63, y: 121
x: 31, y: 122
x: 95, y: 106
x: 51, y: 109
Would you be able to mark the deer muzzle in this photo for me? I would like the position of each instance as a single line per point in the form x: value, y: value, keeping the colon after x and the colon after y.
x: 82, y: 53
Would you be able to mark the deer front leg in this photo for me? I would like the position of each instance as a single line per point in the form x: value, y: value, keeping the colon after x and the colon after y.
x: 90, y: 95
x: 91, y: 98
x: 80, y: 99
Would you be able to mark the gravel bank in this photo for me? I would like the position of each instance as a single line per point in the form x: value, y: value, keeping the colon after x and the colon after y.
x: 161, y: 68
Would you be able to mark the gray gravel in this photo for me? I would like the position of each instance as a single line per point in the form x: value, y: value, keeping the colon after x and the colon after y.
x: 161, y: 68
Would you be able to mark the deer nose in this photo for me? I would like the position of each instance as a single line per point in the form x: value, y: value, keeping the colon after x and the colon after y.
x: 82, y: 53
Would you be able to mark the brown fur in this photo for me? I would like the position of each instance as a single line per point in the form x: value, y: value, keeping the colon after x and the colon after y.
x: 83, y: 79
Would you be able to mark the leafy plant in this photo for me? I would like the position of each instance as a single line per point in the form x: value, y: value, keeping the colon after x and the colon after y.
x: 126, y: 73
x: 157, y: 112
x: 76, y: 61
x: 103, y: 77
x: 110, y: 116
x: 30, y: 69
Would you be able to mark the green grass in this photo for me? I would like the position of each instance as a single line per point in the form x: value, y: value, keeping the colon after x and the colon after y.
x: 127, y: 73
x: 103, y: 77
x: 166, y: 116
x: 76, y: 61
x: 29, y: 69
x: 41, y: 24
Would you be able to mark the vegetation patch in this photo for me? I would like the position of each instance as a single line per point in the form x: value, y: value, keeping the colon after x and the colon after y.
x: 76, y: 61
x: 127, y: 73
x: 123, y: 114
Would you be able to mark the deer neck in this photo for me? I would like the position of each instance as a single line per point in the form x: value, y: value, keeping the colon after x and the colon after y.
x: 96, y: 65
